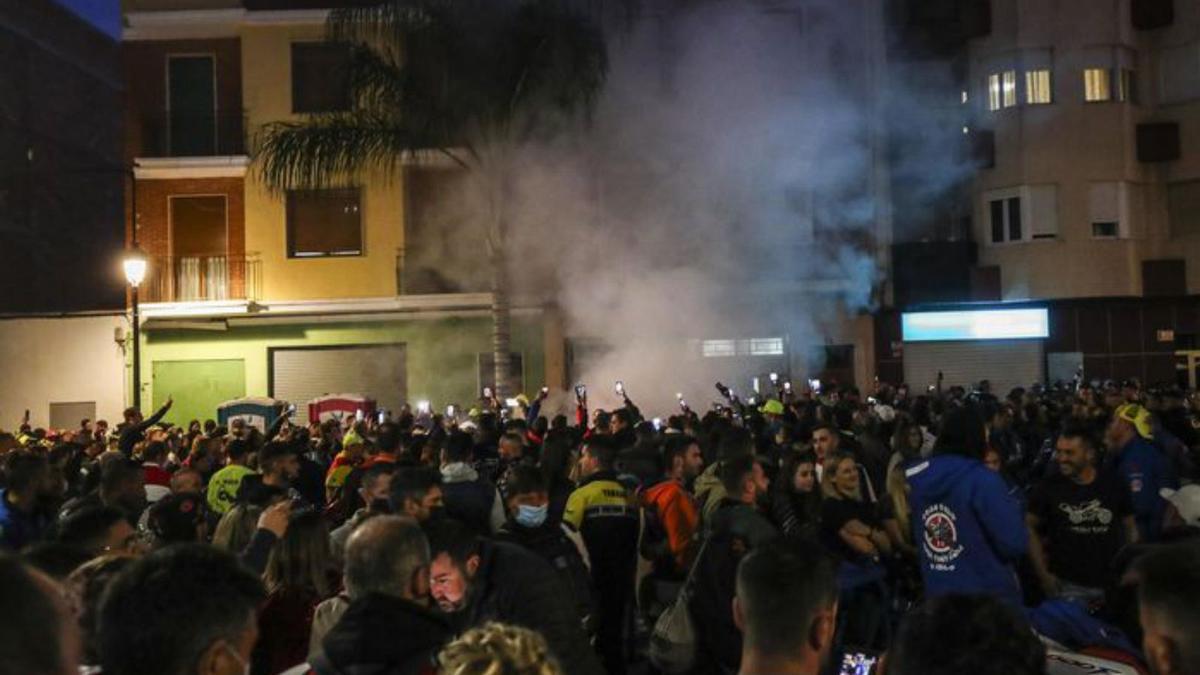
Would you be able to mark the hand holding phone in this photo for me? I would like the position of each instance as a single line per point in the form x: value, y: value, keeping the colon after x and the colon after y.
x: 859, y: 662
x: 581, y: 392
x: 620, y: 388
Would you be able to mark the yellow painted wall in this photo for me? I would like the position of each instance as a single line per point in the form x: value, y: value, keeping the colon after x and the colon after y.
x: 267, y: 93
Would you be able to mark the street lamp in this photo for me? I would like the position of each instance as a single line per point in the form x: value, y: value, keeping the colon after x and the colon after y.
x: 135, y: 274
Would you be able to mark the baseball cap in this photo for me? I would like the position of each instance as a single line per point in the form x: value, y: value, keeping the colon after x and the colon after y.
x: 772, y: 407
x: 1139, y: 417
x: 1186, y: 501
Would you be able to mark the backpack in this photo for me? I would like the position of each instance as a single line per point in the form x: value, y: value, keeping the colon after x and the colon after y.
x: 673, y: 641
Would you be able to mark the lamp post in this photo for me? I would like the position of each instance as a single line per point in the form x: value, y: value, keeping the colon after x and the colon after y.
x: 135, y: 273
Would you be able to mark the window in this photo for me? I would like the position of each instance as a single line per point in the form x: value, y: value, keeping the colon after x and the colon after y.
x: 1126, y: 86
x: 1014, y: 219
x: 717, y: 348
x: 320, y: 77
x: 744, y: 347
x: 1105, y: 205
x: 965, y: 97
x: 993, y: 92
x: 1037, y: 87
x: 997, y: 220
x: 1010, y: 88
x: 1023, y: 213
x: 324, y: 223
x: 1096, y: 85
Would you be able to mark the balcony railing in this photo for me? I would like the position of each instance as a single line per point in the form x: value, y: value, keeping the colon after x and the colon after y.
x: 167, y: 133
x: 200, y: 278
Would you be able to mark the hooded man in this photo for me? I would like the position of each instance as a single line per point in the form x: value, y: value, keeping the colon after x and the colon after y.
x: 970, y: 529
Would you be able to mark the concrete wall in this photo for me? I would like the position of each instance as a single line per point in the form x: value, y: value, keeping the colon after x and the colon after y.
x: 1072, y: 143
x: 442, y: 353
x: 267, y: 92
x: 61, y: 360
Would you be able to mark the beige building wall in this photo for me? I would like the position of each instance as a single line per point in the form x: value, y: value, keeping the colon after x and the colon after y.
x: 267, y: 93
x: 1072, y: 144
x: 62, y: 360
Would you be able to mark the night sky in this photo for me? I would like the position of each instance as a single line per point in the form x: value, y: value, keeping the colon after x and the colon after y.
x: 103, y: 14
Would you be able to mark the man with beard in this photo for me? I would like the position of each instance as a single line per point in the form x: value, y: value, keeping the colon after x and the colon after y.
x: 475, y: 581
x: 1078, y: 521
x: 735, y: 528
x: 786, y: 608
x: 671, y: 513
x: 278, y: 469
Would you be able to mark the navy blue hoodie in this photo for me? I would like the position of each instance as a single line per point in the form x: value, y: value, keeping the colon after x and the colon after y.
x: 968, y: 527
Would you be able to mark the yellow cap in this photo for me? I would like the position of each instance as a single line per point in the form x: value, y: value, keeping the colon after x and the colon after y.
x: 773, y: 406
x: 1139, y: 417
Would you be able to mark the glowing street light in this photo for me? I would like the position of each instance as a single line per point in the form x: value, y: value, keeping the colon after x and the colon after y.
x: 135, y: 267
x: 135, y: 273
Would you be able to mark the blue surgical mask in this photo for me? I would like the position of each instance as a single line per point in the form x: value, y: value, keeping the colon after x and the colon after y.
x: 531, y: 516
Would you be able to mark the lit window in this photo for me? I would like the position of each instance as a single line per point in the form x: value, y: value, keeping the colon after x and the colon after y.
x: 993, y: 92
x: 766, y: 347
x: 1037, y: 87
x: 965, y: 98
x: 744, y: 347
x: 718, y: 348
x: 1097, y: 85
x: 1010, y: 88
x: 1126, y: 86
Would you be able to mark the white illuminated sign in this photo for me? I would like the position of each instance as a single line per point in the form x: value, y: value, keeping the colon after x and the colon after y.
x: 984, y: 324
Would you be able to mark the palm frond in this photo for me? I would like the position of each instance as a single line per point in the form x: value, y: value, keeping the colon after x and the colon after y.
x: 332, y: 149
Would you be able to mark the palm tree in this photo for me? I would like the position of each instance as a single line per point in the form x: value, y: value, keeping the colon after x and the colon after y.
x: 474, y: 81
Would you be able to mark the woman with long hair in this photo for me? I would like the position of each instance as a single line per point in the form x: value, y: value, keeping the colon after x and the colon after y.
x: 796, y: 497
x: 851, y: 528
x: 298, y: 578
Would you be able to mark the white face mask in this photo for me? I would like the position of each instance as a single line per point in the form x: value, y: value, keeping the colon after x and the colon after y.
x: 238, y: 657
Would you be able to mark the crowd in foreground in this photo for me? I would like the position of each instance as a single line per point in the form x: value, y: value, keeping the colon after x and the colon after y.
x: 820, y: 532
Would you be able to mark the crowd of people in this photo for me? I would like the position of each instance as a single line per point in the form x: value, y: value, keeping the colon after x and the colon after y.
x: 945, y: 531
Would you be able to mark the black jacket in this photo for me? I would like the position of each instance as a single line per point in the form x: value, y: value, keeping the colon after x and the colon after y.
x: 513, y: 585
x: 383, y: 635
x: 551, y: 543
x: 734, y: 530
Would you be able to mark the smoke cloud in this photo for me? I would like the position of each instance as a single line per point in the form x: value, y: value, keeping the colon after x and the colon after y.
x: 731, y: 186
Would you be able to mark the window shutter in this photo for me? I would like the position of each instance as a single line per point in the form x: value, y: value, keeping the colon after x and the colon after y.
x: 1043, y: 211
x: 1104, y: 205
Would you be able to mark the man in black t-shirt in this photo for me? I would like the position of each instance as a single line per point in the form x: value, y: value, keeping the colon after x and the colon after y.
x: 1078, y: 521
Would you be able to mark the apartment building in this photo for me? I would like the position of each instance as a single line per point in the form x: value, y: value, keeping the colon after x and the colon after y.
x: 1082, y: 118
x: 293, y: 295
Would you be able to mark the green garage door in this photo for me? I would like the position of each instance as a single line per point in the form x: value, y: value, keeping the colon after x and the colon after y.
x: 197, y: 386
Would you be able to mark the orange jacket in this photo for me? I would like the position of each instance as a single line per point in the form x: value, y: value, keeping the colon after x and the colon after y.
x: 678, y: 515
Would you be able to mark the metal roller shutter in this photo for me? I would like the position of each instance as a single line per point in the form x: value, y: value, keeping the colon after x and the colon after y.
x: 299, y: 375
x: 1006, y: 363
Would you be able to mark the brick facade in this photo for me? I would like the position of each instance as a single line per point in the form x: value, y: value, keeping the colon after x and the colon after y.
x: 154, y: 217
